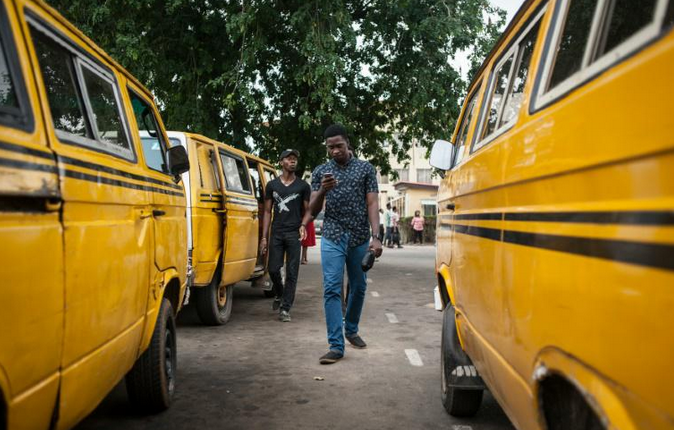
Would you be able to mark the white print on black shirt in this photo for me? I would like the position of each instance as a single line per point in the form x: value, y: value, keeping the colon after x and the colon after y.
x: 282, y: 203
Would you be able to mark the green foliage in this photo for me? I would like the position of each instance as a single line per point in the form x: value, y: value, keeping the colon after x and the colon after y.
x: 272, y: 74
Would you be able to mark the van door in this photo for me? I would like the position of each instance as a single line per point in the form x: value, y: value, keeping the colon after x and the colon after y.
x: 31, y: 254
x: 241, y: 231
x: 254, y: 169
x: 208, y: 218
x: 168, y: 198
x: 106, y: 215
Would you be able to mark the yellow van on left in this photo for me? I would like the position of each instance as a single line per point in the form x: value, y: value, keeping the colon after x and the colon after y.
x: 92, y: 228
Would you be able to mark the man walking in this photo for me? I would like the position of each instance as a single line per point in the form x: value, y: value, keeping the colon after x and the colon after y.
x: 289, y: 196
x: 348, y: 187
x: 387, y: 224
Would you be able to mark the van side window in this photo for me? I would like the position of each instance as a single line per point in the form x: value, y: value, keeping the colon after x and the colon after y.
x: 574, y: 38
x: 514, y: 98
x: 83, y: 98
x: 508, y: 81
x: 58, y: 74
x: 104, y: 108
x: 499, y: 89
x: 255, y: 177
x: 586, y: 32
x: 463, y: 129
x: 154, y: 147
x: 236, y: 174
x: 7, y: 91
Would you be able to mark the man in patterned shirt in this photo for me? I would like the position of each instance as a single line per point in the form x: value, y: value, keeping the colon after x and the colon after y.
x: 348, y: 187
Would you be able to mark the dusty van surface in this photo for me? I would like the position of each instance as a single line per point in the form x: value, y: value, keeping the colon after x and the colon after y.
x: 555, y: 255
x: 93, y: 230
x: 226, y: 191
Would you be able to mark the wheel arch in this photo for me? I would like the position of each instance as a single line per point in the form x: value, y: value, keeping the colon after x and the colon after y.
x: 557, y: 371
x: 446, y: 286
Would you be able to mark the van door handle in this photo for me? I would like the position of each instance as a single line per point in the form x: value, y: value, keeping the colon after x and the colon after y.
x: 219, y: 211
x: 255, y: 215
x: 157, y: 212
x: 450, y: 206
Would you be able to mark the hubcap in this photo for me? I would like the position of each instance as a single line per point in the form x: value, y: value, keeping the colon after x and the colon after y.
x: 222, y: 296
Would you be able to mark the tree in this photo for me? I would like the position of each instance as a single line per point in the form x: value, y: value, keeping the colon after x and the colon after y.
x: 272, y: 74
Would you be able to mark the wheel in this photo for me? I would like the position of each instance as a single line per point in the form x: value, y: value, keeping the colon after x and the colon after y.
x: 459, y: 402
x: 150, y: 384
x: 214, y: 302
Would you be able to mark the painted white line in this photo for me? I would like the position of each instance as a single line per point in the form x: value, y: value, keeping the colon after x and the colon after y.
x: 414, y: 357
x: 392, y: 318
x: 374, y: 294
x: 369, y: 281
x: 461, y: 427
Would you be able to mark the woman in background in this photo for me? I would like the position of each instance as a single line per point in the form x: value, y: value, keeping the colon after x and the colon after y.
x: 308, y: 241
x: 418, y: 227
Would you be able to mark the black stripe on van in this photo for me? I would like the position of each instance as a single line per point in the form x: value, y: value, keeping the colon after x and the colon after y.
x: 599, y: 217
x: 108, y: 181
x: 25, y: 165
x: 660, y: 256
x: 112, y: 171
x: 619, y: 217
x: 28, y: 151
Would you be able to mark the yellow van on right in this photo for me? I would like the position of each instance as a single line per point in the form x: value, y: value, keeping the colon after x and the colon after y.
x: 555, y: 255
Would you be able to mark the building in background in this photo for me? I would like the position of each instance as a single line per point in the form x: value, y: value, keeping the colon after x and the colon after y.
x: 415, y: 189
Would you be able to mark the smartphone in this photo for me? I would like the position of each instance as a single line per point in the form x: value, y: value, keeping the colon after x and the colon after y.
x: 327, y: 175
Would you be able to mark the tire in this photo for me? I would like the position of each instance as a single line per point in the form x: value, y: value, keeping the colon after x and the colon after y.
x: 458, y: 402
x: 214, y: 302
x: 150, y: 384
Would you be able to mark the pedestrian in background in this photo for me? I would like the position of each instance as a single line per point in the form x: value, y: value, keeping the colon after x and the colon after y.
x: 388, y: 225
x: 309, y: 241
x: 417, y: 225
x: 395, y: 228
x: 288, y: 196
x: 348, y: 186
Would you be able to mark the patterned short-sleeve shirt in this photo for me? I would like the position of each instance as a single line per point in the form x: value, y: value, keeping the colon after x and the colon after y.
x: 346, y: 204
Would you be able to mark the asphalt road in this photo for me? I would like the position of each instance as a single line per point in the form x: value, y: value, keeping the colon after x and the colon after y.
x: 258, y: 373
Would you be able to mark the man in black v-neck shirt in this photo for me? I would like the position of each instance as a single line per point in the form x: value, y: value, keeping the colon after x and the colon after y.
x: 288, y: 196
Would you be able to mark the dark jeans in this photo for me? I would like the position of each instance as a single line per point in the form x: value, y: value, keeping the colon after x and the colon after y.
x: 285, y: 246
x: 419, y: 235
x: 387, y: 236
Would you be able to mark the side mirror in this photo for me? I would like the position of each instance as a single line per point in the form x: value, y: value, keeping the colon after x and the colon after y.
x: 177, y: 161
x: 441, y: 155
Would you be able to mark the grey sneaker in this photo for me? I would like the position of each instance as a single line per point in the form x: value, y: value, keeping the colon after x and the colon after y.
x: 276, y: 304
x: 284, y: 316
x: 330, y: 357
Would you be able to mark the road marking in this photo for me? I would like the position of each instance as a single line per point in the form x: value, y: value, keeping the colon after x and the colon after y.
x: 414, y: 357
x: 461, y: 427
x: 392, y: 318
x: 369, y: 281
x: 374, y: 294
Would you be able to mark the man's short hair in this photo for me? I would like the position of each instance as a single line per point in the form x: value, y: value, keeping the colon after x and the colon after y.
x: 388, y: 205
x: 335, y: 130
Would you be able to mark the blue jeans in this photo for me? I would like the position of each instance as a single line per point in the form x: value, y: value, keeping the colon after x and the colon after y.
x: 334, y: 255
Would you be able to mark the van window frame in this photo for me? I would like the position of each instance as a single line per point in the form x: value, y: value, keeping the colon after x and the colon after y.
x: 79, y: 55
x: 160, y: 136
x: 472, y: 97
x: 591, y: 66
x: 511, y: 52
x: 226, y: 153
x: 20, y: 118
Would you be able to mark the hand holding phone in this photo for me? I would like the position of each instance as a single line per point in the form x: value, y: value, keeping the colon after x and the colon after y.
x: 328, y: 182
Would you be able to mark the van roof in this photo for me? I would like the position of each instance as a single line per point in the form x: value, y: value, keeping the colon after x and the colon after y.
x: 90, y: 44
x: 509, y: 28
x: 203, y: 138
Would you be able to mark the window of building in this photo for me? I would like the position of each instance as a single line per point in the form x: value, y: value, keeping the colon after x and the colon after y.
x: 430, y: 210
x: 403, y: 174
x: 424, y: 176
x: 382, y: 179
